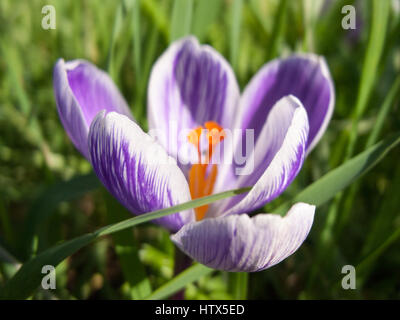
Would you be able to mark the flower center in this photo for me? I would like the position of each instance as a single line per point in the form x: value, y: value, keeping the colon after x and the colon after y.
x: 202, y: 176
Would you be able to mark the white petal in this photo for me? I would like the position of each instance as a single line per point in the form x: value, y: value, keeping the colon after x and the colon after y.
x: 241, y: 243
x: 136, y: 169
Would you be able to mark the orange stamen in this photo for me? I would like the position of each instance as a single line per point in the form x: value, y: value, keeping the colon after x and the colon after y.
x: 194, y: 138
x: 215, y: 135
x: 201, y: 182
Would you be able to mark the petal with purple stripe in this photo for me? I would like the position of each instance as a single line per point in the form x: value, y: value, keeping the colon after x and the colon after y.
x: 305, y: 76
x: 189, y: 85
x: 241, y: 243
x: 136, y: 169
x: 276, y: 159
x: 81, y: 91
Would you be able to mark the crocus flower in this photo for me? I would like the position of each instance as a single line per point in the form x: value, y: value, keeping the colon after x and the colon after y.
x: 287, y: 104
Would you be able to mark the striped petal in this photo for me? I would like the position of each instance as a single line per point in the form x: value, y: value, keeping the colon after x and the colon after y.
x: 136, y: 169
x: 241, y: 243
x: 81, y: 91
x: 189, y: 85
x: 305, y: 76
x: 276, y: 159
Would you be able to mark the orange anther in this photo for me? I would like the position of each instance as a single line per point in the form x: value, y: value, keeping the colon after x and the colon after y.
x: 201, y: 177
x: 215, y: 132
x: 194, y: 136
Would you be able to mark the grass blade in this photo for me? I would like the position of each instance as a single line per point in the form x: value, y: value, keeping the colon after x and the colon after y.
x: 127, y: 250
x: 336, y: 180
x: 114, y: 35
x: 364, y: 267
x: 28, y: 277
x: 278, y: 29
x: 181, y: 19
x: 383, y: 112
x: 48, y: 201
x: 385, y: 220
x: 235, y: 32
x: 190, y: 275
x: 373, y: 137
x: 380, y: 14
x: 238, y: 282
x: 137, y: 53
x: 157, y: 17
x: 151, y: 50
x: 204, y: 15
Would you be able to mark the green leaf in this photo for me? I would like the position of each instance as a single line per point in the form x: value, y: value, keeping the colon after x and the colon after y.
x: 380, y: 15
x: 6, y: 229
x: 336, y: 180
x: 157, y: 16
x: 204, y: 15
x: 235, y: 32
x: 311, y: 10
x: 15, y: 76
x: 126, y: 247
x: 364, y: 266
x: 8, y: 264
x: 133, y: 269
x: 122, y: 28
x: 27, y: 279
x: 159, y: 259
x: 384, y: 219
x: 136, y: 39
x: 48, y: 201
x: 238, y: 282
x: 190, y: 275
x: 383, y: 112
x: 114, y: 35
x: 29, y: 276
x: 6, y: 257
x: 152, y: 41
x: 278, y: 29
x: 181, y: 19
x: 373, y: 137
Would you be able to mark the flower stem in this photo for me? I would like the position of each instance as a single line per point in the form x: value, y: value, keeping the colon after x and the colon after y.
x: 238, y: 283
x: 182, y: 262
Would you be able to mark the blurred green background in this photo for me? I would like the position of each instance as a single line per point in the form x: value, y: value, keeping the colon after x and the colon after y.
x: 48, y: 192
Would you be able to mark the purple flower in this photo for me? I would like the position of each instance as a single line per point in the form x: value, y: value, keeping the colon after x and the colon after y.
x: 287, y: 106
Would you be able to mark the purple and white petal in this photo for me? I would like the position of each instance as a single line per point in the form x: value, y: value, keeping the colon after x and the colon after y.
x: 81, y: 91
x: 275, y: 161
x: 189, y: 85
x: 136, y: 169
x: 305, y: 76
x: 241, y: 243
